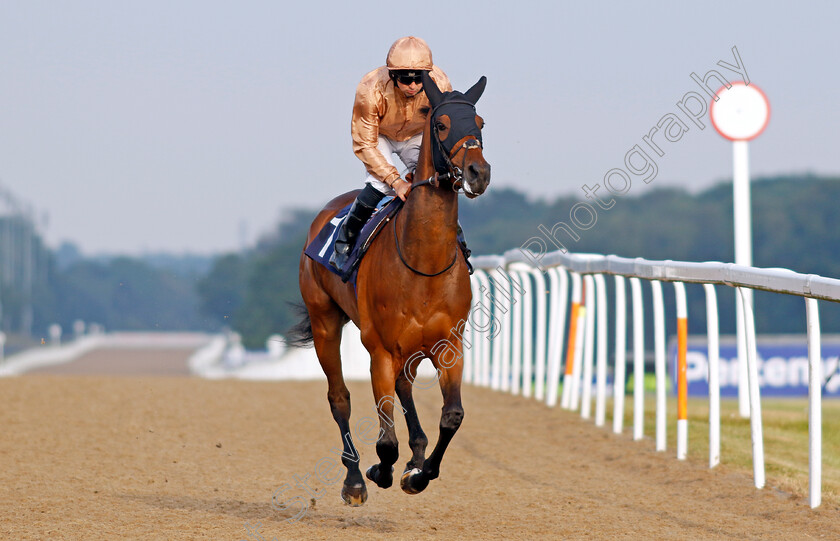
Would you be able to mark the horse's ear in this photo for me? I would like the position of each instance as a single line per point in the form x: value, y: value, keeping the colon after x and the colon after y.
x: 476, y: 91
x: 432, y: 91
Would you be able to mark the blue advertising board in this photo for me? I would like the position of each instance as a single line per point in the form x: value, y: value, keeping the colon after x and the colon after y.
x: 782, y: 366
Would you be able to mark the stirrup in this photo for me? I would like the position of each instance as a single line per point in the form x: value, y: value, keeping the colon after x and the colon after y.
x: 462, y: 243
x: 467, y: 253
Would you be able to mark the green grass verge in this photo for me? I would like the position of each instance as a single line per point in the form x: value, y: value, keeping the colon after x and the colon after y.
x: 785, y: 430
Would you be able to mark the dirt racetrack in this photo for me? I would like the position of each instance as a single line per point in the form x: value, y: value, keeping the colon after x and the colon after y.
x: 110, y: 457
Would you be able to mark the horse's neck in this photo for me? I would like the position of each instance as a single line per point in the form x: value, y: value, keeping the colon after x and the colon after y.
x: 427, y: 229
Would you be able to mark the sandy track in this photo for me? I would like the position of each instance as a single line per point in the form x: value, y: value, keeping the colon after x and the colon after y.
x: 89, y: 457
x: 126, y: 362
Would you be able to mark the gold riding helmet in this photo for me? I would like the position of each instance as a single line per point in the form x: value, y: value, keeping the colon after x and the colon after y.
x: 408, y: 56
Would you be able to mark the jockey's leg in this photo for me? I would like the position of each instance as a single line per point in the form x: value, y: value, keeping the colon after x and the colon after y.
x: 360, y: 212
x: 362, y: 209
x: 409, y: 152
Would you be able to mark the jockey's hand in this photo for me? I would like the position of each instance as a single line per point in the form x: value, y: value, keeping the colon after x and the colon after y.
x: 402, y: 187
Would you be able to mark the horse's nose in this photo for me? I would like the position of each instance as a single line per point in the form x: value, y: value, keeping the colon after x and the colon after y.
x: 478, y: 176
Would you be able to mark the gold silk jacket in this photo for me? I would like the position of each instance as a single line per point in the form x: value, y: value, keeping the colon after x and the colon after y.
x: 382, y: 109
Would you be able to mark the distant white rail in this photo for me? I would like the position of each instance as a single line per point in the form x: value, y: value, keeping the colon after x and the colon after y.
x: 532, y: 351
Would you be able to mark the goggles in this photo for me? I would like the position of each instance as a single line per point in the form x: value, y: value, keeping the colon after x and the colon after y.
x: 407, y: 77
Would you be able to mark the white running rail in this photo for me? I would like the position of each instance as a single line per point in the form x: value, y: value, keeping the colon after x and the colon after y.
x: 520, y: 305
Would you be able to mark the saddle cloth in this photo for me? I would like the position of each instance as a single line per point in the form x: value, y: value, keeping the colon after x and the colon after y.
x: 323, y: 245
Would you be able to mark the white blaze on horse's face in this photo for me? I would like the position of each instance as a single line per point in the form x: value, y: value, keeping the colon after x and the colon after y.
x: 477, y: 173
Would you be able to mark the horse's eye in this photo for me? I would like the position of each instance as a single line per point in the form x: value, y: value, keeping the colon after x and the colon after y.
x: 440, y: 126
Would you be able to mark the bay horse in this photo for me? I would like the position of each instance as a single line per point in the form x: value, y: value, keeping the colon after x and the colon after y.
x: 412, y: 294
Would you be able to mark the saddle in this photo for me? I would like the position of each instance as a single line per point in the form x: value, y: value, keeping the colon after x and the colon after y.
x: 323, y: 245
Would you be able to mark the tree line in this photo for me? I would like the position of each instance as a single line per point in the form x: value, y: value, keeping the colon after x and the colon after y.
x: 795, y: 226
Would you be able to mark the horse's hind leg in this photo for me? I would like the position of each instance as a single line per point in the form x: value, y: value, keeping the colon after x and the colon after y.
x: 452, y: 414
x: 326, y: 331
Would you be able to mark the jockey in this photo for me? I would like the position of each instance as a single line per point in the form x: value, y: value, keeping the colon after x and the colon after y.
x: 388, y: 119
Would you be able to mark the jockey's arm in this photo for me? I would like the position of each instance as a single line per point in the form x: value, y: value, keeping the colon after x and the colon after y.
x: 365, y: 132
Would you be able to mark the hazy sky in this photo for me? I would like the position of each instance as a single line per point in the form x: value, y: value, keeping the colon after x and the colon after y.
x: 146, y: 126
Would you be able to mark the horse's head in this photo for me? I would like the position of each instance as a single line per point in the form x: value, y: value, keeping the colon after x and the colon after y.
x: 456, y: 131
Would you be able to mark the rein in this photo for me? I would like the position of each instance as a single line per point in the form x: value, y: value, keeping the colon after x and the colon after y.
x: 412, y: 269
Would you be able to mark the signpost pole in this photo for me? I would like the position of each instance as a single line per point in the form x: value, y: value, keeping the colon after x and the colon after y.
x: 740, y: 113
x: 743, y: 256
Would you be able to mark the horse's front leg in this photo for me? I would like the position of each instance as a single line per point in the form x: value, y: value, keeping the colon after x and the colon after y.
x: 452, y: 414
x: 416, y: 437
x: 387, y: 447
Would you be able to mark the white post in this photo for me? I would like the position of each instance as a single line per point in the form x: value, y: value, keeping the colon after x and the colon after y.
x: 659, y: 351
x: 814, y: 404
x: 506, y: 298
x: 275, y: 346
x: 743, y: 254
x: 566, y: 399
x: 638, y: 360
x: 601, y: 366
x: 559, y: 298
x: 589, y: 348
x: 541, y: 324
x: 619, y: 377
x: 500, y: 341
x: 471, y: 353
x: 527, y: 340
x: 2, y: 345
x: 714, y: 374
x: 487, y: 340
x: 579, y: 347
x: 54, y: 331
x: 473, y: 334
x: 78, y: 329
x: 755, y: 397
x: 516, y: 370
x: 682, y: 384
x: 741, y: 343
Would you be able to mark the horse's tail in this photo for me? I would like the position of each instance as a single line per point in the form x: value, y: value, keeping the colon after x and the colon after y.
x: 300, y: 335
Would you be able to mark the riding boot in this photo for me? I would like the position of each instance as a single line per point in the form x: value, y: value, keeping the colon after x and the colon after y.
x: 462, y: 242
x: 360, y: 212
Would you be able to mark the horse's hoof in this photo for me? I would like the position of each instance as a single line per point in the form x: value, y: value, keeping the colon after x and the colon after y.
x: 354, y: 496
x: 375, y: 474
x: 413, y: 482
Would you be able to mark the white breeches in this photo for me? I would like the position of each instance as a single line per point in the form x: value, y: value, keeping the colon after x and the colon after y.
x: 408, y: 152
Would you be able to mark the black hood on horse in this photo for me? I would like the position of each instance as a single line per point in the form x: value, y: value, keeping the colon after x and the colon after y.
x: 453, y: 119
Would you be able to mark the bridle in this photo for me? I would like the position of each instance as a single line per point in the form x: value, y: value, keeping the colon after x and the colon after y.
x: 455, y: 173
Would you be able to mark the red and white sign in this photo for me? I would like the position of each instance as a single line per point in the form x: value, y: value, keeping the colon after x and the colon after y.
x: 741, y: 113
